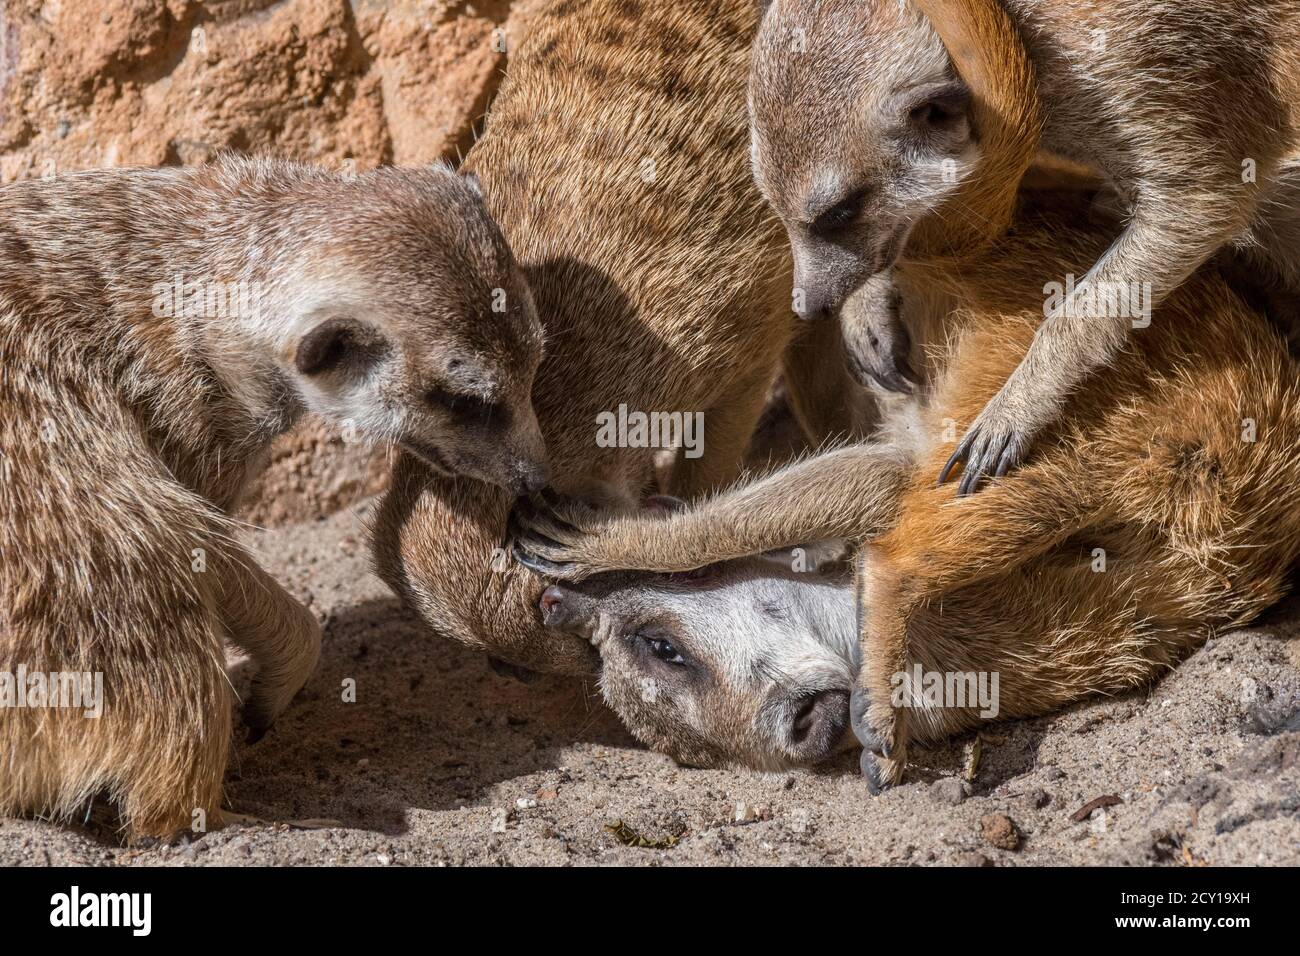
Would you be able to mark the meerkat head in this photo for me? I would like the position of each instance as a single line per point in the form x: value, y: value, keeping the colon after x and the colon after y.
x: 413, y: 323
x: 860, y: 127
x: 746, y: 663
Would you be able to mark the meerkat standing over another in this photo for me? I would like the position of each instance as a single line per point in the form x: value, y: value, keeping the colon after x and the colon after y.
x: 862, y: 127
x: 158, y: 328
x: 1165, y: 515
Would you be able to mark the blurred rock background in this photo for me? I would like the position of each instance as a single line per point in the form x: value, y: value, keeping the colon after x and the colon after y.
x: 349, y: 84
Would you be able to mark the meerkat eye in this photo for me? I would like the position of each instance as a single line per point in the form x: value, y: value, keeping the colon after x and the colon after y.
x: 842, y: 214
x: 471, y: 409
x: 663, y: 649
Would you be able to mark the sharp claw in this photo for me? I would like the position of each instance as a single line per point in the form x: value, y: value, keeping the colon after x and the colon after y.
x: 956, y: 457
x: 535, y: 525
x: 890, y: 381
x: 908, y: 372
x: 858, y: 704
x: 895, y: 382
x: 536, y: 564
x: 870, y: 772
x: 970, y: 477
x: 1007, y: 462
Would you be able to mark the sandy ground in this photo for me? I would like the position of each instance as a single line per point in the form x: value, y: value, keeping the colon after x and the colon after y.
x: 441, y: 761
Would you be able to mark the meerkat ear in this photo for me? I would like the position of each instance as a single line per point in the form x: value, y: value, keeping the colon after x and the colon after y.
x: 939, y: 113
x: 339, y: 344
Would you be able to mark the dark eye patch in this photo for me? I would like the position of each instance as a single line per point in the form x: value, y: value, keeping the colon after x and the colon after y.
x: 843, y: 213
x: 661, y: 645
x: 468, y: 409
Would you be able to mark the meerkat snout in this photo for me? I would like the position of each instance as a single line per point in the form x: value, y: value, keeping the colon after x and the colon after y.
x: 814, y: 725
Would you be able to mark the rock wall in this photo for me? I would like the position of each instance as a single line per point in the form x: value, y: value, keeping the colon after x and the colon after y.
x: 345, y: 83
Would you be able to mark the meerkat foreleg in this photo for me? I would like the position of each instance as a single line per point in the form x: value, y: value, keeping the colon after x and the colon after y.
x: 1158, y: 251
x: 940, y: 544
x: 282, y: 637
x: 848, y: 493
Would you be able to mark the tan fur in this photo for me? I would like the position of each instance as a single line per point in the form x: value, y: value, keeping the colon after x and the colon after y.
x: 128, y: 431
x: 1197, y: 522
x: 981, y: 40
x: 663, y: 291
x: 1155, y: 465
x: 1170, y: 99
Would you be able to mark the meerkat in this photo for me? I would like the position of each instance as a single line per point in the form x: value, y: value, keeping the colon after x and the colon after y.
x: 1187, y: 107
x: 748, y: 662
x: 614, y: 159
x: 158, y: 329
x: 1165, y: 511
x: 1003, y: 102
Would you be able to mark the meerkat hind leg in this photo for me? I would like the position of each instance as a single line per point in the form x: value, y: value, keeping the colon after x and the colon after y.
x: 282, y: 637
x: 939, y: 544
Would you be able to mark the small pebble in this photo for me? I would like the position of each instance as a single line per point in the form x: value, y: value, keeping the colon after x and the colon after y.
x: 999, y: 830
x: 948, y: 791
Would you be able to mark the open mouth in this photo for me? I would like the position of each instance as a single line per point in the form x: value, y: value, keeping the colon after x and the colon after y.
x: 428, y: 454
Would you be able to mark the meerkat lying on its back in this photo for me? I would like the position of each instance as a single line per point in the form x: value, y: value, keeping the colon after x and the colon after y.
x: 158, y: 329
x: 1167, y: 512
x: 862, y: 127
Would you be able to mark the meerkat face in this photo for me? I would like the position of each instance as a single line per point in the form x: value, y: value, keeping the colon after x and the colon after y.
x: 742, y: 663
x: 860, y: 127
x: 420, y: 329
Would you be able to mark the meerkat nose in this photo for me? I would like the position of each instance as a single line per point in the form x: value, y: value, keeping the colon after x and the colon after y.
x: 534, y: 476
x: 551, y: 603
x: 816, y: 305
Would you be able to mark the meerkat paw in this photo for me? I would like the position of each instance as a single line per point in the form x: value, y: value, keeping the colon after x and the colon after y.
x: 273, y: 689
x: 883, y: 753
x: 877, y: 343
x: 555, y: 541
x: 996, y: 442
